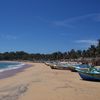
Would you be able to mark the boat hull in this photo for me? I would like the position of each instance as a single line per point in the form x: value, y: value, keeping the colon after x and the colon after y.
x: 89, y: 76
x: 59, y: 67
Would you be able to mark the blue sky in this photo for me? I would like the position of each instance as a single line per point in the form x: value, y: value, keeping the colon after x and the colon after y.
x: 46, y: 26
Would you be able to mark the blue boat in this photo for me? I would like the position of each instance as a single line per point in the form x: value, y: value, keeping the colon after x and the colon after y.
x: 91, y: 74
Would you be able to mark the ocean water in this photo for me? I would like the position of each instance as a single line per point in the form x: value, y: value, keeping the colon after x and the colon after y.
x: 4, y: 66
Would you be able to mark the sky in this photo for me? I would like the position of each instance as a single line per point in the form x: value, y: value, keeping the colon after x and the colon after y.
x: 46, y: 26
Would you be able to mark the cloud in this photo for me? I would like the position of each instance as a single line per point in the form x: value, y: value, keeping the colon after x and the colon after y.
x: 88, y: 42
x: 62, y: 23
x: 8, y: 37
x: 70, y: 21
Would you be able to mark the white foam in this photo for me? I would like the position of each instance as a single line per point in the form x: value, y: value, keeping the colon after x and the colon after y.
x: 11, y: 67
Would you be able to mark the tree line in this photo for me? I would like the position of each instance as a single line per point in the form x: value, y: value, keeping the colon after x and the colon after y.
x: 92, y: 52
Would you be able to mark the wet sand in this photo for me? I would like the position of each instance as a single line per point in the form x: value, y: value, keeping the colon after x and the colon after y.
x: 39, y: 82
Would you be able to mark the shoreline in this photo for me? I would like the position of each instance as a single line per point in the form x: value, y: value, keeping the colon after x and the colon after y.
x: 13, y: 71
x: 40, y: 82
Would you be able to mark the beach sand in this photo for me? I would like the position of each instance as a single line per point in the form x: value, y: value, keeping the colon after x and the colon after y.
x: 39, y: 82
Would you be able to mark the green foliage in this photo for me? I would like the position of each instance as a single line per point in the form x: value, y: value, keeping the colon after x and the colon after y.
x: 92, y: 51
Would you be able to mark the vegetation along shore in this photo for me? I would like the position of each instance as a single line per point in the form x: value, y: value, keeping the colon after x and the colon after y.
x: 91, y: 54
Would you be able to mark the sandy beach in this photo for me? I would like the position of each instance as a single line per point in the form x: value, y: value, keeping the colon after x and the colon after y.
x: 39, y: 82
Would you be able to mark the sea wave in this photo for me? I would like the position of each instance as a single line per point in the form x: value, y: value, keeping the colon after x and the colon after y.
x: 12, y: 67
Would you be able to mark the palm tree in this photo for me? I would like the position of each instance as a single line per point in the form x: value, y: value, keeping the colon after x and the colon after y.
x: 98, y: 49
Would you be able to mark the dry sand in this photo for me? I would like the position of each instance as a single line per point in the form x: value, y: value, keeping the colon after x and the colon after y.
x: 39, y: 82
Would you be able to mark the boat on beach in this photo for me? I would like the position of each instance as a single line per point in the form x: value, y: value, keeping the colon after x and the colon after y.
x: 92, y: 74
x: 59, y: 66
x: 62, y: 65
x: 74, y: 68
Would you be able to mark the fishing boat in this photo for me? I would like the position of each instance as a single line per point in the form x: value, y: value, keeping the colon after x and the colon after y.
x: 59, y: 67
x: 74, y: 68
x: 92, y: 74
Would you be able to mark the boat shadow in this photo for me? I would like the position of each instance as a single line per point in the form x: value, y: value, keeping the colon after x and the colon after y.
x: 90, y: 80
